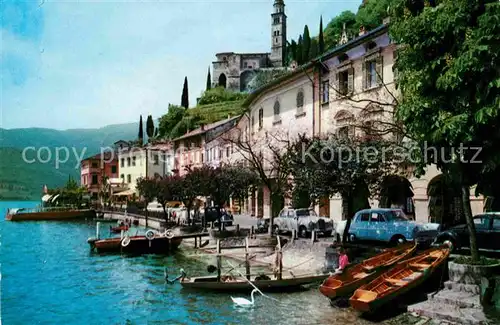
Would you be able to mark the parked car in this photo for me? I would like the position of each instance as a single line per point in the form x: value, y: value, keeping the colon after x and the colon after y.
x: 304, y: 221
x: 262, y: 225
x: 487, y: 230
x: 387, y: 225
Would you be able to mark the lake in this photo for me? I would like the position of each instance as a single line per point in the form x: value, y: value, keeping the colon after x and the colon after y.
x: 49, y: 276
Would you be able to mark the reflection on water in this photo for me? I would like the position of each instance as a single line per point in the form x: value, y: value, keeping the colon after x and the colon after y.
x: 49, y: 276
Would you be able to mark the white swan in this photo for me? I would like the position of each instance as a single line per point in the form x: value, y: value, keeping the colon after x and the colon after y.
x: 243, y: 301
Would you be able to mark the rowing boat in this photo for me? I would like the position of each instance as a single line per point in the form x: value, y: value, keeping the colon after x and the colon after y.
x: 400, y: 279
x: 344, y: 284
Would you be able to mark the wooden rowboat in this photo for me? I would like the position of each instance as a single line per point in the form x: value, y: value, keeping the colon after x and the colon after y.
x: 135, y: 245
x: 403, y: 277
x: 342, y: 285
x: 234, y: 284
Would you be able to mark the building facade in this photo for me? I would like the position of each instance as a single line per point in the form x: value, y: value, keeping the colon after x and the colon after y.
x: 94, y: 169
x: 147, y: 161
x: 350, y: 91
x: 234, y: 71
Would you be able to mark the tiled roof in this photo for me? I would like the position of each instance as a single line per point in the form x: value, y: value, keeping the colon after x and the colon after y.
x: 206, y: 128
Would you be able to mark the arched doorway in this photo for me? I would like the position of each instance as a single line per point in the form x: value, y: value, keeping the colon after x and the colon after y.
x: 222, y: 80
x: 397, y: 192
x: 445, y: 202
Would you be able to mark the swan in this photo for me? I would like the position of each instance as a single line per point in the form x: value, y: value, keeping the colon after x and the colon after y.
x: 243, y: 301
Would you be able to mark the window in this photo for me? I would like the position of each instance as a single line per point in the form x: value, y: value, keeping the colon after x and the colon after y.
x: 496, y: 223
x: 482, y: 222
x: 221, y: 153
x: 344, y: 132
x: 261, y: 118
x: 343, y: 82
x: 371, y: 74
x: 94, y: 179
x: 201, y: 156
x: 290, y: 214
x: 114, y: 169
x: 276, y: 110
x: 128, y: 162
x: 376, y: 217
x: 122, y: 177
x: 364, y: 217
x: 325, y: 91
x: 156, y: 160
x: 133, y: 161
x: 245, y: 64
x: 129, y: 178
x: 94, y: 165
x: 228, y: 151
x: 276, y: 20
x: 122, y: 164
x: 300, y: 100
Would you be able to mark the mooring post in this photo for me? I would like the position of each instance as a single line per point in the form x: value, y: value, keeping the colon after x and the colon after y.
x: 294, y: 234
x: 237, y: 230
x: 219, y: 260
x: 97, y: 227
x: 122, y: 233
x: 313, y: 236
x: 195, y: 242
x: 251, y: 232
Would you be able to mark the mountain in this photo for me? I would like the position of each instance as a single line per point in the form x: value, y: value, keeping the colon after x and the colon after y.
x: 23, y: 179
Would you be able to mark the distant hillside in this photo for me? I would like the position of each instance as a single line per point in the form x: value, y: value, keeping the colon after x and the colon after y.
x: 23, y: 180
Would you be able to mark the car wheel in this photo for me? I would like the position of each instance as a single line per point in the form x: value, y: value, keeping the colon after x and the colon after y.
x: 451, y: 243
x: 398, y: 240
x: 303, y: 232
x: 352, y: 238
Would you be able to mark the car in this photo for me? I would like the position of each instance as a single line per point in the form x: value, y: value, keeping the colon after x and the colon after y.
x: 262, y: 225
x: 487, y: 234
x: 386, y: 225
x: 304, y: 221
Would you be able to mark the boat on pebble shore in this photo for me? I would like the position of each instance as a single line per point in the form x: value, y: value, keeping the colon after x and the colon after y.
x: 400, y: 279
x: 344, y: 284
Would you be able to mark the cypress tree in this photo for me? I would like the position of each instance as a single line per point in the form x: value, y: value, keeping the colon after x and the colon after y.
x: 150, y: 127
x: 209, y: 80
x: 306, y: 47
x: 321, y: 40
x: 140, y: 136
x: 299, y: 51
x: 293, y: 50
x: 314, y: 49
x: 185, y: 94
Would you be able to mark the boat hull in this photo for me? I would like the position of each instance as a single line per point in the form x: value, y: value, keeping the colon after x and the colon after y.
x: 210, y: 283
x: 137, y: 245
x: 398, y: 280
x: 51, y: 215
x: 343, y: 285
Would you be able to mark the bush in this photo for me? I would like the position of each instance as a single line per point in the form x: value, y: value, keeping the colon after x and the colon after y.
x: 218, y: 95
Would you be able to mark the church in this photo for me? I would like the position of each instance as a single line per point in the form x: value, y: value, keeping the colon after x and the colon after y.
x: 234, y: 71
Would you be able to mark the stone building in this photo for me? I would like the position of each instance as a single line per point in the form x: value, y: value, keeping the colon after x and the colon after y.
x: 234, y: 71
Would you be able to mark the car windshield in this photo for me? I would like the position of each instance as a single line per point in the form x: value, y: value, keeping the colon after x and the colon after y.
x: 397, y: 215
x: 305, y: 213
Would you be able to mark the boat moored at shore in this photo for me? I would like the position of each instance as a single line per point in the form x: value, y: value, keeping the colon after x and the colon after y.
x: 49, y: 214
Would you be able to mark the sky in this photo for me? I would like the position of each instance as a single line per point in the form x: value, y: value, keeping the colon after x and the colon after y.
x: 87, y: 64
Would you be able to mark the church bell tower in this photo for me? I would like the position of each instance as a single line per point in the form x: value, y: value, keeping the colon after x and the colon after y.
x: 278, y: 34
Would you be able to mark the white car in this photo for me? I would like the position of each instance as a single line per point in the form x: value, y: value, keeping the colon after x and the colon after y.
x: 304, y: 221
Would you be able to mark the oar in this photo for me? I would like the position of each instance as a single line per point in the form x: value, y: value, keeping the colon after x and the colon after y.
x: 244, y: 277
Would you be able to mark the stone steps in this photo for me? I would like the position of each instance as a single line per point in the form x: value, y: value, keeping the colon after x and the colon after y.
x: 461, y: 299
x: 450, y: 313
x: 461, y: 287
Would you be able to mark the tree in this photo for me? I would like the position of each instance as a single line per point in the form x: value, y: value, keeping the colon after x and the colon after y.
x: 209, y: 80
x: 372, y: 13
x: 313, y: 52
x: 150, y: 127
x: 174, y: 115
x: 306, y: 48
x: 167, y: 189
x: 351, y: 167
x: 148, y: 189
x: 321, y: 40
x: 334, y: 28
x: 185, y: 94
x: 293, y: 50
x: 264, y: 77
x: 448, y: 74
x: 194, y: 184
x: 140, y: 136
x: 300, y: 46
x: 265, y: 157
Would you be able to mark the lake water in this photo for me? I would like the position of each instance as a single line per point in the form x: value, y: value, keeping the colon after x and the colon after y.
x: 49, y: 276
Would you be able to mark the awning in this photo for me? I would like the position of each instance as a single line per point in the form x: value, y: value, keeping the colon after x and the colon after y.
x: 125, y: 193
x: 46, y: 197
x: 53, y: 199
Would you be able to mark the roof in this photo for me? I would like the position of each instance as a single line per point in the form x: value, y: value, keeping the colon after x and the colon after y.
x: 204, y: 129
x: 335, y: 51
x: 105, y: 155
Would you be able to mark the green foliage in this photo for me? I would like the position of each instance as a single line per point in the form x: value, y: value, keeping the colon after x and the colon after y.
x: 306, y: 44
x: 219, y: 95
x: 140, y: 135
x: 185, y: 94
x: 300, y: 58
x: 333, y: 30
x: 372, y: 13
x: 150, y: 127
x: 167, y: 122
x: 449, y: 80
x: 321, y: 38
x: 209, y: 80
x: 264, y: 77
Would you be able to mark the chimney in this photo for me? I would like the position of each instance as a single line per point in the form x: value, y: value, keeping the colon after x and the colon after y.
x: 362, y: 30
x: 202, y: 126
x: 228, y: 116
